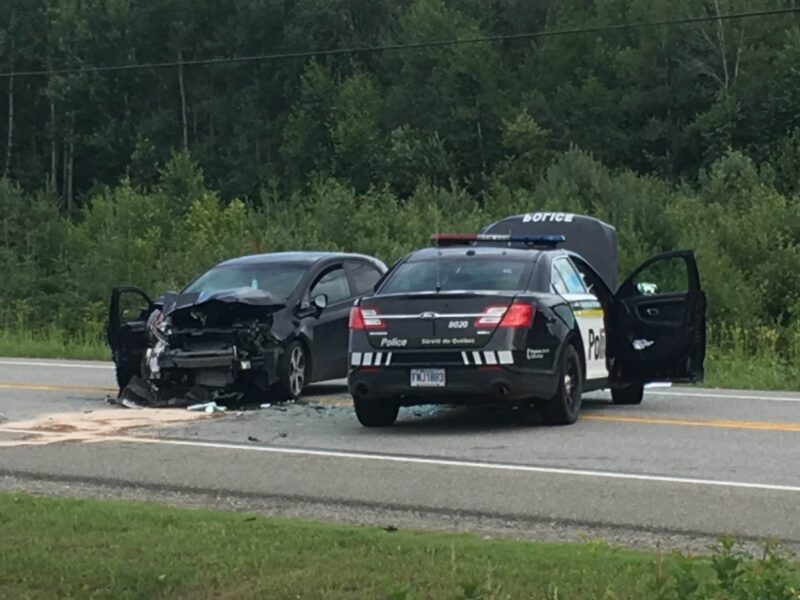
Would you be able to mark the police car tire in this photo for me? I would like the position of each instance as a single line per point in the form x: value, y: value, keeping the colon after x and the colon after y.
x: 376, y: 413
x: 631, y: 394
x: 565, y: 406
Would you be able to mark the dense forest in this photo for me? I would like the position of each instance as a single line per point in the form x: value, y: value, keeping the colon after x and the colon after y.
x: 679, y: 135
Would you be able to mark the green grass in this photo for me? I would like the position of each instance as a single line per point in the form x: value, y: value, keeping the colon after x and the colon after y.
x: 59, y: 548
x: 51, y: 344
x: 75, y: 549
x: 755, y: 371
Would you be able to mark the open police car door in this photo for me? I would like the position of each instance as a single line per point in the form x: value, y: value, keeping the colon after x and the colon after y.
x: 657, y: 323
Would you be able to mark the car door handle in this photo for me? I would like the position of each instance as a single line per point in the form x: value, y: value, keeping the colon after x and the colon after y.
x: 652, y: 312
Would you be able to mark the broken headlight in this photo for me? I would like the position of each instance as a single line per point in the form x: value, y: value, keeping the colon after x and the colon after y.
x: 157, y: 326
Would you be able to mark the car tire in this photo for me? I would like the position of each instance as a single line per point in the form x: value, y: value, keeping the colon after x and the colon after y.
x: 376, y: 413
x: 631, y: 394
x: 565, y: 407
x: 292, y: 372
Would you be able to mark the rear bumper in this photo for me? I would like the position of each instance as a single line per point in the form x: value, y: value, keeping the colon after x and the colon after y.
x: 464, y: 385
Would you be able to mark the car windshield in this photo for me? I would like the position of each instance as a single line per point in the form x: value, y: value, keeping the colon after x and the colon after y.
x: 464, y: 273
x: 280, y: 280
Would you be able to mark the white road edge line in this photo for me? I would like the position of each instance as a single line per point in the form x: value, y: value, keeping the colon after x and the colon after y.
x: 451, y: 463
x: 723, y: 396
x: 57, y: 365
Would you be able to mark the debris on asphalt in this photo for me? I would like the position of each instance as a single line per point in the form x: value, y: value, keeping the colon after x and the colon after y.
x: 97, y: 426
x: 127, y: 403
x: 207, y: 407
x: 265, y: 405
x: 250, y: 438
x: 147, y: 395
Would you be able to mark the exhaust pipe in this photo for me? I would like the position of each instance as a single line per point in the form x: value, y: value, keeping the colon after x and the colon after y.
x: 501, y: 390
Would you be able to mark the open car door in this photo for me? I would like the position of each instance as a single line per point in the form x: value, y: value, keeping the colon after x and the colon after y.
x: 127, y: 331
x: 657, y: 324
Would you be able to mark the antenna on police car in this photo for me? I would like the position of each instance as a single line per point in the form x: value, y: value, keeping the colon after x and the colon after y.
x: 438, y: 251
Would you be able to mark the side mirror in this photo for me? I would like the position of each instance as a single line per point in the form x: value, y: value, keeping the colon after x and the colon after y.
x: 320, y: 302
x: 647, y: 289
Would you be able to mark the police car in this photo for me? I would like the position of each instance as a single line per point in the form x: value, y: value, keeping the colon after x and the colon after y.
x: 528, y: 310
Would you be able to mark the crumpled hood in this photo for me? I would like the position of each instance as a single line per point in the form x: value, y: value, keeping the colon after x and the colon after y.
x: 248, y: 296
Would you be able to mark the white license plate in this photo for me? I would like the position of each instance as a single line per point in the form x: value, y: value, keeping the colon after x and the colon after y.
x: 427, y: 378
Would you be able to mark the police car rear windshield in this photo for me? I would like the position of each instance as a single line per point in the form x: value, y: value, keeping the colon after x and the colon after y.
x: 457, y: 274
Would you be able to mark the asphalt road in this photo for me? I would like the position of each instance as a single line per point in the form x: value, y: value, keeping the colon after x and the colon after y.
x: 684, y: 467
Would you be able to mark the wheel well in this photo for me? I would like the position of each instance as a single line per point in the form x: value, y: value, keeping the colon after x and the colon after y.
x: 575, y: 341
x: 309, y: 358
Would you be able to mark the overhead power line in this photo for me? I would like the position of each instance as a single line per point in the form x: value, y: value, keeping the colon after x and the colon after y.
x: 404, y: 47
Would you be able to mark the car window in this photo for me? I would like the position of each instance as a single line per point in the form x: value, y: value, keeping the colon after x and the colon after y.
x: 364, y: 276
x: 456, y: 274
x: 573, y: 282
x: 278, y: 279
x: 558, y: 283
x: 334, y: 285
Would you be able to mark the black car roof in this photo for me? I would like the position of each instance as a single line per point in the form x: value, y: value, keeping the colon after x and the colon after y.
x: 481, y: 251
x: 293, y: 257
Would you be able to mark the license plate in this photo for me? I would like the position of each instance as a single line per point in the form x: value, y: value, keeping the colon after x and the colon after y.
x: 427, y: 378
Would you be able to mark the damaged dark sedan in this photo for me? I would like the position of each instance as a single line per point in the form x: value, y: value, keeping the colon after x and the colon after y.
x: 253, y: 327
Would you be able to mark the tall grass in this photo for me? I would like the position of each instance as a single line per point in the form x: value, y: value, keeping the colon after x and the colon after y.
x: 52, y: 343
x: 759, y: 358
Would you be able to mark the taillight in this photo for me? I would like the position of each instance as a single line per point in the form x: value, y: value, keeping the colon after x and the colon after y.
x: 365, y: 319
x: 518, y: 314
x: 492, y: 315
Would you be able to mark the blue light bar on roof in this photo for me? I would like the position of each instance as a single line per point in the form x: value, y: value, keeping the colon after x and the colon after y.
x: 465, y: 239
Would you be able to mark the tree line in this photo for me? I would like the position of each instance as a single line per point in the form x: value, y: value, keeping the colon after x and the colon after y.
x: 666, y: 101
x: 678, y: 135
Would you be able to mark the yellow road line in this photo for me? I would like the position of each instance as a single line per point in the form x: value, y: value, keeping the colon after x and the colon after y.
x: 341, y: 403
x: 716, y: 423
x: 30, y: 387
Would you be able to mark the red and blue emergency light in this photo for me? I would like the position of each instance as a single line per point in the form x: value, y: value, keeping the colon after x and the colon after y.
x: 464, y: 239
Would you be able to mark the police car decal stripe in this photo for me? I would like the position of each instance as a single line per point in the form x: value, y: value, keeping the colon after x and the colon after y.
x: 475, y: 358
x: 505, y: 357
x: 589, y: 312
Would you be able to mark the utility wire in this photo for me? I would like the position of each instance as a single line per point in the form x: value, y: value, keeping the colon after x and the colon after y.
x: 409, y: 46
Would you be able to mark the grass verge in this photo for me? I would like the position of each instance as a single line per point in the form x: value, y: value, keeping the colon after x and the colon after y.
x: 728, y: 369
x: 51, y: 344
x: 55, y: 548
